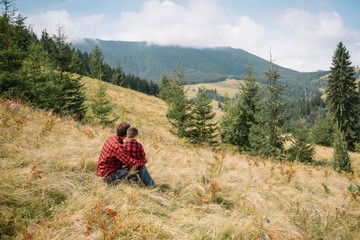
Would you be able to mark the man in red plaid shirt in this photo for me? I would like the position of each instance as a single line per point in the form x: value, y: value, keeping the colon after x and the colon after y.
x: 115, y: 163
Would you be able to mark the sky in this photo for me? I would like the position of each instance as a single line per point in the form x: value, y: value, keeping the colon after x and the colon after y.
x: 298, y: 34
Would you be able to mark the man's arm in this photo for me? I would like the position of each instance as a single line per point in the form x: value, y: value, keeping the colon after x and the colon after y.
x: 141, y: 151
x: 125, y: 158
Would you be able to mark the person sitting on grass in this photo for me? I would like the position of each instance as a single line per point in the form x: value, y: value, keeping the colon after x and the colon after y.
x: 133, y: 148
x: 115, y: 164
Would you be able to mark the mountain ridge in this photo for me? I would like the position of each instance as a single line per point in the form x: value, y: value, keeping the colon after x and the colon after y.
x: 200, y: 65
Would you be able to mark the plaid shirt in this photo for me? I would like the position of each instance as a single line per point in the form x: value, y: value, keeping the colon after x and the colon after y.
x: 113, y: 156
x: 135, y: 149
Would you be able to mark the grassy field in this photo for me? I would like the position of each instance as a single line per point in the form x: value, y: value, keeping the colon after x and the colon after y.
x: 49, y: 189
x: 228, y: 87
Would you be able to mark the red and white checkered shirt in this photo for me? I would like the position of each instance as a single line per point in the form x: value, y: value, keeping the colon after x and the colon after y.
x: 113, y: 156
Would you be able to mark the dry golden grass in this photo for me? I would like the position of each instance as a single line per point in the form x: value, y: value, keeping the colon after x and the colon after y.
x: 228, y: 87
x: 49, y: 189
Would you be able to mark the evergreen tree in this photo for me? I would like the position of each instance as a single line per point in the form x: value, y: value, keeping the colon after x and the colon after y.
x: 240, y: 113
x: 342, y: 98
x: 341, y: 160
x: 96, y: 63
x: 73, y: 97
x: 178, y: 104
x: 322, y: 131
x: 165, y: 88
x: 202, y: 128
x: 230, y: 121
x: 75, y: 64
x: 43, y: 90
x: 118, y: 75
x: 154, y: 89
x: 306, y: 108
x: 62, y: 54
x: 301, y: 149
x: 14, y: 42
x: 25, y: 69
x: 266, y: 134
x: 102, y: 107
x: 85, y: 63
x: 106, y: 72
x: 48, y: 44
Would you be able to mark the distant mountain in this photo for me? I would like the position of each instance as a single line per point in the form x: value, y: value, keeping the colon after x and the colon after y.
x: 199, y: 65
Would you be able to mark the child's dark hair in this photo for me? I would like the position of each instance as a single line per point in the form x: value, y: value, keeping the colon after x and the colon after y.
x: 132, y: 132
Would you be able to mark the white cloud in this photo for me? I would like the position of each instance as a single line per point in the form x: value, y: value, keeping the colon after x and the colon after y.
x: 298, y: 39
x: 169, y: 23
x: 74, y: 27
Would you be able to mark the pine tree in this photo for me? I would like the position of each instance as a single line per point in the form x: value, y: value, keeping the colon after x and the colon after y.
x: 43, y: 90
x: 165, y: 89
x: 342, y: 97
x: 96, y: 62
x: 174, y: 94
x: 301, y: 149
x: 27, y: 72
x: 102, y: 107
x: 341, y: 160
x: 117, y: 76
x: 230, y: 121
x: 75, y: 64
x: 73, y: 97
x: 154, y: 89
x: 48, y: 44
x: 266, y: 134
x: 202, y: 128
x: 62, y: 54
x: 85, y: 63
x: 322, y: 131
x: 15, y: 40
x: 240, y: 113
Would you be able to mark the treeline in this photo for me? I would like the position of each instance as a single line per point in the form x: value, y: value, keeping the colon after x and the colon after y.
x: 38, y: 69
x: 28, y: 71
x: 259, y: 121
x: 212, y: 94
x: 306, y: 108
x: 93, y: 65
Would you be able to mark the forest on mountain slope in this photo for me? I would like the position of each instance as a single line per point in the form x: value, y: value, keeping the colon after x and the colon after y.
x: 199, y: 65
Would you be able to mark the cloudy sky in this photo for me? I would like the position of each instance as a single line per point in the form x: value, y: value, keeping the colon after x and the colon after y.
x: 300, y: 34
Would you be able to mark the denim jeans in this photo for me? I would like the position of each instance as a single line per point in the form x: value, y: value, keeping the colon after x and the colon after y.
x: 124, y: 174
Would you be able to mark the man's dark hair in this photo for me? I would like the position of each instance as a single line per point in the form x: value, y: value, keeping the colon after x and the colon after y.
x: 121, y: 129
x: 132, y: 132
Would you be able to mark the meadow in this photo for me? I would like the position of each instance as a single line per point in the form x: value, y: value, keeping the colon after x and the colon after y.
x: 229, y: 87
x: 49, y: 190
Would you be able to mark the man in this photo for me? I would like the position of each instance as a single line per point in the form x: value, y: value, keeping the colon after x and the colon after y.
x: 116, y: 165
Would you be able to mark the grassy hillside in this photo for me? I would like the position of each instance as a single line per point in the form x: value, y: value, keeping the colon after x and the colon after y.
x: 49, y: 189
x: 228, y: 87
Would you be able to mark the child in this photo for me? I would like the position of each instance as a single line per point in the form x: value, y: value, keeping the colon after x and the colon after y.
x: 133, y: 147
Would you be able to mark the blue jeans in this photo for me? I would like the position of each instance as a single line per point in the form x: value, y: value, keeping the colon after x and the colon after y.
x: 124, y: 174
